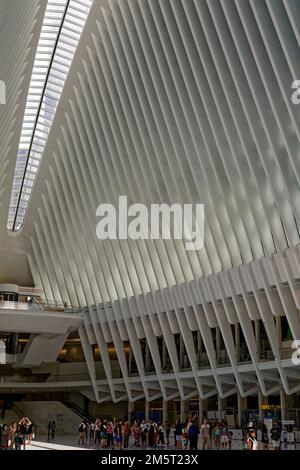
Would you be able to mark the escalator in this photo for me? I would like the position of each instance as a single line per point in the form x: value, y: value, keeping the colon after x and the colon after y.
x: 79, y: 411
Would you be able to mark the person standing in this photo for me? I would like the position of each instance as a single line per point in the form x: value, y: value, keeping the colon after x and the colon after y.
x: 97, y: 432
x: 18, y: 440
x: 224, y: 435
x: 81, y: 430
x: 193, y: 435
x: 151, y: 437
x: 185, y: 440
x: 144, y: 431
x: 216, y: 435
x: 168, y: 430
x: 137, y: 435
x: 86, y: 430
x: 118, y: 434
x: 178, y: 434
x: 12, y: 430
x: 49, y: 426
x: 110, y: 434
x: 92, y: 433
x: 126, y: 433
x: 161, y: 436
x: 30, y: 431
x: 24, y: 431
x: 251, y: 440
x: 205, y: 432
x: 265, y: 437
x: 275, y: 436
x: 103, y: 434
x: 53, y: 430
x: 155, y: 434
x: 230, y: 436
x: 5, y: 432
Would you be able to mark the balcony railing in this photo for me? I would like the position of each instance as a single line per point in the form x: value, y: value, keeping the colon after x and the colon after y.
x: 266, y: 355
x: 286, y: 353
x: 223, y: 358
x: 45, y: 305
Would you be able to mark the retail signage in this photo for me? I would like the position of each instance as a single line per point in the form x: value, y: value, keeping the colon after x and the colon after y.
x: 270, y: 407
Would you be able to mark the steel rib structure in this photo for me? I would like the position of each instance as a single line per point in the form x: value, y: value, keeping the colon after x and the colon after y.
x: 167, y: 101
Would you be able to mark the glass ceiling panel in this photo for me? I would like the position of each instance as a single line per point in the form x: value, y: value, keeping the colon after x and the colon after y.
x: 62, y: 26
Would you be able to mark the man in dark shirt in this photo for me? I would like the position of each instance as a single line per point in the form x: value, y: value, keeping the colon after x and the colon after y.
x: 178, y: 434
x: 193, y: 436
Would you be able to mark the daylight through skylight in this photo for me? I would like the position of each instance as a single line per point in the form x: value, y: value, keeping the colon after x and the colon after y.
x: 62, y: 26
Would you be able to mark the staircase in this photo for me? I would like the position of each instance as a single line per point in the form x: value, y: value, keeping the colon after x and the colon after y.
x: 10, y: 416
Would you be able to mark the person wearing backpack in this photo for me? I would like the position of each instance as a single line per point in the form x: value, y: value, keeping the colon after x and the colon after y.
x: 265, y: 437
x: 275, y: 436
x: 81, y: 430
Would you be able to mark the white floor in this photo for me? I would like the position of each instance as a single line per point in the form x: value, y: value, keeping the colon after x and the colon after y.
x: 70, y: 442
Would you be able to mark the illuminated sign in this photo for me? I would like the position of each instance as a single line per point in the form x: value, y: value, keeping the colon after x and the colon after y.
x: 270, y: 407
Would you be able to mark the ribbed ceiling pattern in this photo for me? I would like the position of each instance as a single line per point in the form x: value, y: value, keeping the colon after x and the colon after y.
x: 172, y: 101
x: 16, y: 26
x: 62, y: 26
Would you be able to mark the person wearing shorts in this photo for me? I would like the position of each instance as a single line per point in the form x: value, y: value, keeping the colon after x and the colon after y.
x: 81, y: 430
x: 205, y: 433
x: 103, y: 434
x: 275, y: 437
x: 178, y: 434
x: 265, y: 437
x: 224, y: 435
x: 216, y: 435
x: 185, y: 440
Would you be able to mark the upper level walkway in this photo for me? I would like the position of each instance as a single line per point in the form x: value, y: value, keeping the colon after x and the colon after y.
x: 49, y: 328
x: 24, y: 317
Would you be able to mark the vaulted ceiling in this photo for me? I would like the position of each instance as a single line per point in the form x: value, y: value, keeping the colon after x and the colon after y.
x: 168, y: 101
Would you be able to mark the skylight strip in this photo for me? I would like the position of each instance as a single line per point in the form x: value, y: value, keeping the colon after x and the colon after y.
x: 63, y: 24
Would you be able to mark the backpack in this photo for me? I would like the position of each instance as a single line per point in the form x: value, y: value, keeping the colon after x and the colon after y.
x: 275, y: 435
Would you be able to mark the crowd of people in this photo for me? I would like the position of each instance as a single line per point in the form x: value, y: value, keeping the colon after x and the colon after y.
x: 16, y: 436
x: 189, y: 435
x: 118, y: 434
x: 107, y: 433
x: 270, y: 439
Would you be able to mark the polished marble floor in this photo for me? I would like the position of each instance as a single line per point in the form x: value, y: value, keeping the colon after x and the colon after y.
x: 70, y: 442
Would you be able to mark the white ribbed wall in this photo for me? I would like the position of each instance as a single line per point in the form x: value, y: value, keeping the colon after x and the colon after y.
x: 177, y: 101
